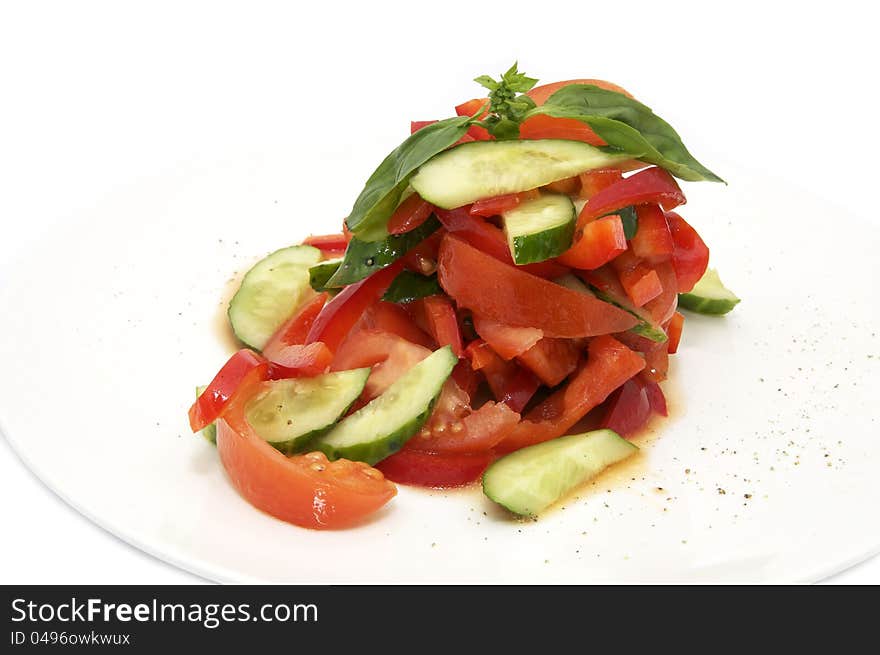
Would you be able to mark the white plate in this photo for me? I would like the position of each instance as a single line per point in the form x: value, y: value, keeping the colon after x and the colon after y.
x: 765, y: 472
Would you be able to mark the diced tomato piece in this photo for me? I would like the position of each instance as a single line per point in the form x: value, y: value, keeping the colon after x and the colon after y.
x: 552, y: 360
x: 340, y: 315
x: 653, y: 240
x: 597, y: 243
x: 480, y: 354
x: 630, y: 409
x: 486, y: 237
x: 691, y: 256
x: 513, y: 297
x: 415, y: 126
x: 241, y: 371
x: 409, y: 215
x: 510, y: 383
x: 663, y: 306
x: 306, y: 490
x: 471, y: 108
x: 330, y: 245
x: 592, y: 182
x: 507, y: 341
x: 392, y: 318
x: 569, y: 186
x: 295, y: 330
x: 652, y: 185
x: 656, y: 399
x: 641, y: 283
x: 414, y: 467
x: 296, y: 360
x: 608, y: 365
x: 673, y: 331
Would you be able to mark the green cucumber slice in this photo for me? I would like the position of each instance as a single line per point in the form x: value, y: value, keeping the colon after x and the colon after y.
x: 483, y: 169
x: 409, y: 286
x: 709, y: 296
x: 382, y: 427
x: 531, y: 479
x: 320, y: 273
x: 270, y: 293
x: 540, y: 229
x: 209, y: 432
x: 363, y: 258
x: 290, y: 413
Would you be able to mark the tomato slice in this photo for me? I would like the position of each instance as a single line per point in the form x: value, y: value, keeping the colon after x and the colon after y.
x: 597, y: 243
x: 540, y: 93
x: 388, y: 317
x: 296, y: 329
x: 496, y: 205
x: 306, y: 490
x: 331, y: 245
x: 652, y: 185
x: 691, y: 255
x: 653, y: 240
x: 300, y: 361
x: 466, y: 377
x: 491, y: 240
x: 656, y: 399
x: 409, y: 215
x: 608, y: 365
x: 340, y: 315
x: 414, y: 467
x: 507, y: 341
x: 552, y: 360
x: 592, y: 182
x: 442, y: 322
x: 244, y: 369
x: 389, y: 355
x: 673, y: 331
x: 630, y: 409
x: 513, y: 297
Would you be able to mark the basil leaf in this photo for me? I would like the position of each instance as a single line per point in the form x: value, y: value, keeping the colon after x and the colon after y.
x: 320, y: 274
x: 628, y: 126
x: 409, y: 286
x: 363, y: 258
x: 630, y: 221
x: 384, y: 190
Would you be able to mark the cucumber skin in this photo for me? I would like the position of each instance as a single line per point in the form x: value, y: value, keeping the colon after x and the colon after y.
x: 538, y: 247
x: 321, y: 272
x: 644, y: 328
x: 708, y: 306
x: 380, y: 254
x: 375, y: 451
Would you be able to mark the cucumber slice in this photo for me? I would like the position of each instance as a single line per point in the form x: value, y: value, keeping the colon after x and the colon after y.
x: 533, y: 478
x: 270, y: 293
x: 320, y: 273
x: 209, y: 432
x: 409, y: 286
x: 540, y: 229
x: 290, y: 413
x: 483, y: 169
x: 363, y: 258
x: 709, y: 296
x: 382, y: 427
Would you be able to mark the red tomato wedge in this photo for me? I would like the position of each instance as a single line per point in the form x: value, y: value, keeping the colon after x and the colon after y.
x: 409, y: 214
x: 390, y: 356
x: 510, y: 383
x: 542, y: 126
x: 629, y: 410
x: 388, y: 317
x: 244, y: 369
x: 609, y: 364
x: 663, y: 306
x: 300, y: 361
x: 422, y: 469
x: 552, y: 360
x: 331, y: 245
x: 673, y: 331
x: 441, y: 321
x: 652, y: 185
x: 597, y: 243
x: 507, y: 341
x: 513, y: 297
x: 340, y: 315
x: 657, y: 399
x: 466, y: 377
x: 592, y: 182
x: 296, y: 329
x: 691, y: 255
x: 656, y: 363
x: 653, y: 240
x: 306, y: 490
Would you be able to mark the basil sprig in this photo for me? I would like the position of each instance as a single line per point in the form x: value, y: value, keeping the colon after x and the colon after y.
x: 384, y: 190
x: 627, y: 126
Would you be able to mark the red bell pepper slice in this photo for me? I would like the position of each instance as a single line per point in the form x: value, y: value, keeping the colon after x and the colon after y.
x: 640, y: 282
x: 569, y: 186
x: 340, y: 315
x: 592, y: 182
x: 331, y: 245
x: 513, y: 297
x: 653, y: 240
x: 298, y: 360
x: 663, y: 306
x: 608, y: 365
x: 244, y: 369
x: 415, y: 126
x: 652, y: 185
x: 409, y: 215
x: 509, y: 383
x: 423, y: 469
x: 496, y: 205
x: 552, y: 360
x: 673, y: 331
x: 471, y: 108
x: 442, y: 322
x: 597, y: 243
x: 507, y: 341
x: 691, y: 256
x: 541, y: 126
x: 296, y: 329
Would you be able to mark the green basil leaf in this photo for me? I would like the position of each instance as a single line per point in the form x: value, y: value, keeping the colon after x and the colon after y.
x: 363, y: 258
x: 384, y: 190
x: 320, y: 273
x: 627, y: 126
x: 409, y: 286
x: 630, y: 221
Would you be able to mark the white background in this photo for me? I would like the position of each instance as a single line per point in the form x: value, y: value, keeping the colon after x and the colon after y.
x: 787, y: 88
